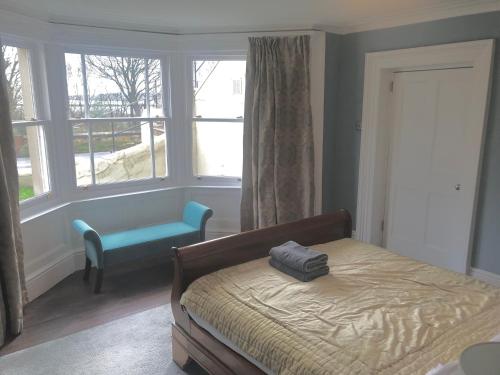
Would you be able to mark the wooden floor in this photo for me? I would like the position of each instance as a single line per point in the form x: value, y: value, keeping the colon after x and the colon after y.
x: 71, y: 306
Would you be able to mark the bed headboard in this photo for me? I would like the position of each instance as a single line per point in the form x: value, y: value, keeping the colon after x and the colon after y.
x: 194, y: 261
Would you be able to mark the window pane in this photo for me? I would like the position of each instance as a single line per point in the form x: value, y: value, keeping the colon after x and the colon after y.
x: 218, y: 148
x: 116, y: 86
x: 29, y: 141
x: 122, y: 151
x: 218, y: 88
x: 110, y: 87
x: 31, y: 161
x: 19, y: 85
x: 81, y: 150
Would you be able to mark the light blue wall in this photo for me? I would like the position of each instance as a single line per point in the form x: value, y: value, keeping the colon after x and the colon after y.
x: 332, y: 84
x: 343, y: 108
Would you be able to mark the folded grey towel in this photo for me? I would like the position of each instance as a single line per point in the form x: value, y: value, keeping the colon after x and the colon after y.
x: 302, y: 276
x: 298, y: 257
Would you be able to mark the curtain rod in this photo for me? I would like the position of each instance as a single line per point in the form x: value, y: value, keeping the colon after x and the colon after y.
x: 182, y: 33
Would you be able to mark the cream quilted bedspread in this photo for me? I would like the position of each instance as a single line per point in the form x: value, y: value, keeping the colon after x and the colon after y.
x: 375, y: 313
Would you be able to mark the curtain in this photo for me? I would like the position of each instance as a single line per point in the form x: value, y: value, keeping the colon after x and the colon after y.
x: 278, y: 151
x: 12, y: 284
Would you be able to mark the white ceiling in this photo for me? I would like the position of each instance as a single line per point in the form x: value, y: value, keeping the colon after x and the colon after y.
x: 191, y: 16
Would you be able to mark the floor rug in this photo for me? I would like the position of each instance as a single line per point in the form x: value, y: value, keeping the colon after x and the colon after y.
x: 137, y: 344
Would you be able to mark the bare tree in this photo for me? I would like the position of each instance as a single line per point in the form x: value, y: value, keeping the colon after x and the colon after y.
x: 129, y: 74
x: 13, y: 77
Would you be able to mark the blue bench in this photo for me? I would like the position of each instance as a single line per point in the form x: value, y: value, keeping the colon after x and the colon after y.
x: 106, y: 250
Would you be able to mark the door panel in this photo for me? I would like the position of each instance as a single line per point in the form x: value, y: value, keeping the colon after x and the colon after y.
x: 426, y: 213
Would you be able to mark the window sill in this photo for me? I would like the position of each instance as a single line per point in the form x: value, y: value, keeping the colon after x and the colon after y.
x: 34, y: 206
x: 215, y: 181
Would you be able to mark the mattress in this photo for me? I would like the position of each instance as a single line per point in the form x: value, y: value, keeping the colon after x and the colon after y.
x: 375, y: 313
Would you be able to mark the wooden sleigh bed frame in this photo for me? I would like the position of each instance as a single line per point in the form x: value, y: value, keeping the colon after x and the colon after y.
x: 190, y: 342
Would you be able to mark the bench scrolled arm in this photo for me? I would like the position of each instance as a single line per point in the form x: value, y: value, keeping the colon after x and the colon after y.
x: 92, y: 242
x: 196, y: 215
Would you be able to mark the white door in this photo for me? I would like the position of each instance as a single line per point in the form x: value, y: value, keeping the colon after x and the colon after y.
x: 432, y: 168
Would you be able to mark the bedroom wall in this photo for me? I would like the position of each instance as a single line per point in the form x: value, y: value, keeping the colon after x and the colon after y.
x: 342, y: 140
x: 52, y: 250
x: 332, y: 85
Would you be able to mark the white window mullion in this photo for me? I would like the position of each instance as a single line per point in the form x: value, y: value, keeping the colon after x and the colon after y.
x: 59, y: 135
x: 152, y: 145
x: 206, y: 119
x: 166, y: 150
x: 113, y: 142
x: 91, y: 151
x: 166, y: 87
x: 180, y: 129
x: 85, y: 86
x: 146, y: 86
x: 42, y: 147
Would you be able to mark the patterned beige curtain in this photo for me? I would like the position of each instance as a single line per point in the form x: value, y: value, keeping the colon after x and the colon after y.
x: 12, y: 284
x: 278, y: 153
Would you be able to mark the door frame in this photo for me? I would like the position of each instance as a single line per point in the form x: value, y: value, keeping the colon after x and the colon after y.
x: 377, y: 112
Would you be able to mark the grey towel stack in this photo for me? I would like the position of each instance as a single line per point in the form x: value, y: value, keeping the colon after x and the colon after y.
x: 298, y: 261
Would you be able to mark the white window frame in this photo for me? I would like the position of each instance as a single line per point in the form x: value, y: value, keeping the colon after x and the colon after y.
x: 123, y: 187
x: 43, y: 118
x: 192, y: 178
x: 51, y: 97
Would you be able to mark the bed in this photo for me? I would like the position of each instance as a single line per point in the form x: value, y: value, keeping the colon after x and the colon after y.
x: 376, y: 312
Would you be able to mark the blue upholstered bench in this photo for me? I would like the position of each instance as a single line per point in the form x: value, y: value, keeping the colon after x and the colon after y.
x: 106, y: 250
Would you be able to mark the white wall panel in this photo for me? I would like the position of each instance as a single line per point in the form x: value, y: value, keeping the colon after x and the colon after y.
x: 53, y: 250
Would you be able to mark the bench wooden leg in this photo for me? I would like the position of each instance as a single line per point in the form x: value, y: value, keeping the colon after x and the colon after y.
x: 98, y: 280
x: 86, y: 273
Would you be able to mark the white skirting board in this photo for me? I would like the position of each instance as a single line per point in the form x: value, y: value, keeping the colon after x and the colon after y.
x: 52, y: 273
x: 488, y: 277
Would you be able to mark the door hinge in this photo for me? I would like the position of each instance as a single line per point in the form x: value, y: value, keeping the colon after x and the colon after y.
x: 382, y: 225
x: 391, y: 86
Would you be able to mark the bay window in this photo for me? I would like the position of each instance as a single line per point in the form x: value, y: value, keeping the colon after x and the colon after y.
x: 112, y: 124
x: 218, y: 106
x: 28, y: 123
x: 116, y: 107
